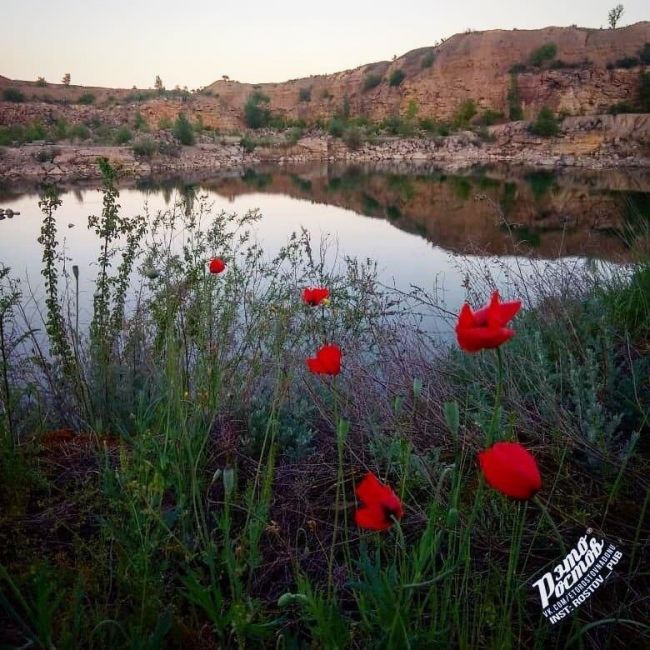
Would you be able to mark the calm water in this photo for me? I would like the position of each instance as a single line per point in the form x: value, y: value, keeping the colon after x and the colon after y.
x: 418, y: 224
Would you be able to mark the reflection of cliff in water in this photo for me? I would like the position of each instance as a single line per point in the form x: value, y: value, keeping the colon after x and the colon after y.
x: 496, y: 211
x: 490, y: 212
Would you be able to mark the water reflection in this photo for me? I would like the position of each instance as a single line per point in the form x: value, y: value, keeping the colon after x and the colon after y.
x: 496, y: 211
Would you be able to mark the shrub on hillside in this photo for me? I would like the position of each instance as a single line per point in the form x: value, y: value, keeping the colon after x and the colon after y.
x: 644, y: 92
x: 87, y: 99
x: 255, y: 115
x: 644, y: 55
x: 543, y: 54
x: 41, y: 83
x: 123, y: 135
x: 183, y: 130
x: 489, y: 117
x: 13, y: 95
x: 515, y: 111
x: 370, y: 81
x: 465, y: 112
x: 304, y: 95
x: 79, y: 132
x: 144, y: 147
x: 336, y: 127
x: 47, y: 154
x: 140, y: 123
x: 546, y: 124
x: 396, y: 78
x: 353, y: 137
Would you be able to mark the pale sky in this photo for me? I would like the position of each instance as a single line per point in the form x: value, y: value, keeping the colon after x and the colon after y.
x: 121, y: 43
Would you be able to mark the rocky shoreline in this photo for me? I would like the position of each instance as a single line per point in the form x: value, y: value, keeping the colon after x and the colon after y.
x: 595, y: 142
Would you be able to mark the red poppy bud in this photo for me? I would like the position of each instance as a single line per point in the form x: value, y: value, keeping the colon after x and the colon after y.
x: 315, y: 296
x: 327, y: 361
x: 486, y: 328
x: 380, y: 504
x: 217, y: 265
x: 511, y: 469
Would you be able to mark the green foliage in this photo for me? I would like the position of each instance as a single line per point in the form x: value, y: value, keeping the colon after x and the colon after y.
x: 140, y: 123
x: 336, y: 127
x: 41, y: 83
x: 627, y: 62
x: 165, y: 123
x: 144, y: 147
x: 86, y: 98
x: 47, y: 154
x: 123, y: 135
x: 546, y: 124
x: 489, y: 117
x: 256, y: 116
x: 644, y: 55
x: 248, y: 144
x: 79, y: 131
x: 515, y: 111
x: 465, y: 112
x: 353, y: 138
x: 13, y: 95
x: 396, y: 77
x: 644, y: 92
x: 304, y: 95
x: 183, y: 130
x: 542, y: 54
x: 370, y: 80
x: 428, y: 59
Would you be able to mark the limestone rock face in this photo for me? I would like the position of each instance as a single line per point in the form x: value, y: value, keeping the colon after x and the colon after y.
x: 474, y: 65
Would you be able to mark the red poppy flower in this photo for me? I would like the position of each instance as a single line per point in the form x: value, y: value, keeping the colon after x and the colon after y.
x: 380, y: 504
x: 486, y: 328
x: 511, y: 469
x: 217, y: 265
x: 315, y: 296
x: 327, y: 361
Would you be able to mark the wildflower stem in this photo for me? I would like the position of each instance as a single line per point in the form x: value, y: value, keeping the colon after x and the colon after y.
x: 547, y: 514
x: 496, y: 413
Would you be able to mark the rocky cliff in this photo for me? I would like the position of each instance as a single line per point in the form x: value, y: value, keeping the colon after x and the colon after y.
x: 588, y: 72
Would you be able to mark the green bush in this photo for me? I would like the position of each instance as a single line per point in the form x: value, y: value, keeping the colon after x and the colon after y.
x: 41, y: 83
x: 396, y: 78
x: 183, y: 130
x: 248, y: 144
x: 517, y: 68
x: 140, y: 123
x: 427, y: 124
x: 370, y: 81
x: 336, y: 127
x: 428, y: 59
x: 353, y: 138
x: 144, y: 147
x: 644, y: 55
x: 255, y: 116
x: 627, y: 62
x: 87, y: 99
x: 644, y: 92
x: 79, y: 132
x: 465, y: 112
x: 622, y: 107
x: 546, y: 124
x: 489, y: 117
x: 13, y: 95
x: 515, y: 111
x: 304, y: 95
x: 543, y: 54
x: 165, y: 123
x: 123, y: 135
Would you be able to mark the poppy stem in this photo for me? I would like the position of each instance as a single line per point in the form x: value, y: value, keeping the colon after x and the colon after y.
x: 547, y: 514
x: 496, y: 413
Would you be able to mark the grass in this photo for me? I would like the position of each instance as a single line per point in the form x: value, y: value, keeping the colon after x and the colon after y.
x: 175, y: 477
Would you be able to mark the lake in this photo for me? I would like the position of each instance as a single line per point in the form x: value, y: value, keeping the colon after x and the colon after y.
x: 422, y: 226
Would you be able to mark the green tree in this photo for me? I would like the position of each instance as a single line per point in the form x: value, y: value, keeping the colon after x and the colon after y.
x: 546, y: 123
x: 66, y: 79
x: 615, y: 15
x: 256, y: 115
x: 183, y: 130
x: 158, y: 84
x: 396, y: 77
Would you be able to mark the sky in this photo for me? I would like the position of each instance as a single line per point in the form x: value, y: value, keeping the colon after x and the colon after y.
x: 122, y: 43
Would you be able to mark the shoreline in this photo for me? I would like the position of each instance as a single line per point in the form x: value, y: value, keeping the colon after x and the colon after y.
x: 599, y: 143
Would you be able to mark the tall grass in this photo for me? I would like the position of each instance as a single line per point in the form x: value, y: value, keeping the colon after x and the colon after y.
x: 190, y: 484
